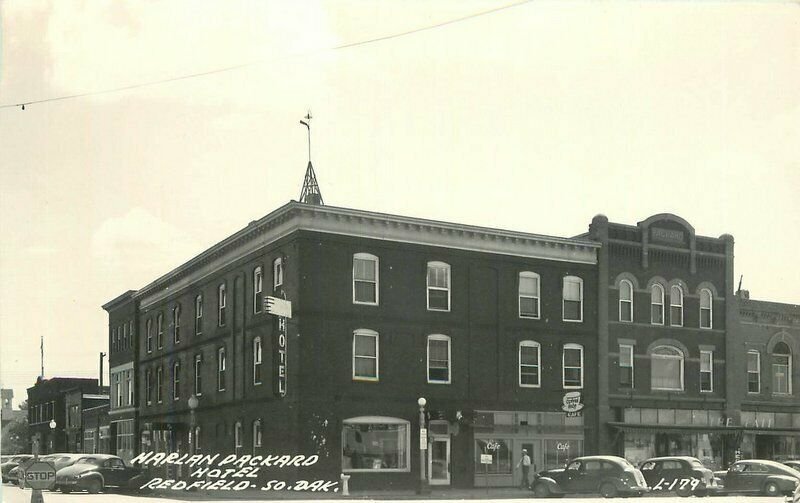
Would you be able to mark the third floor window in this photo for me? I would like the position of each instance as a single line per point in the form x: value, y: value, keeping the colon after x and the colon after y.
x: 529, y: 295
x: 438, y: 286
x: 572, y: 299
x: 365, y: 279
x: 222, y: 302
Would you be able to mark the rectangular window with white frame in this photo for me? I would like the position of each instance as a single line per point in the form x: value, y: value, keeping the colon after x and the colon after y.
x: 438, y: 281
x: 529, y: 298
x: 198, y: 375
x: 530, y: 364
x: 626, y: 366
x: 572, y: 366
x: 706, y: 308
x: 176, y: 380
x: 572, y: 299
x: 160, y: 331
x: 222, y: 304
x: 129, y: 382
x: 159, y: 384
x: 258, y: 289
x: 148, y: 387
x: 118, y: 388
x: 198, y: 315
x: 676, y: 306
x: 439, y: 359
x: 365, y: 355
x: 277, y: 273
x: 707, y: 371
x: 365, y: 279
x: 176, y: 324
x: 754, y: 371
x: 387, y: 441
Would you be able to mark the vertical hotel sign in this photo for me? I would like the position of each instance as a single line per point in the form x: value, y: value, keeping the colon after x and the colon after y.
x: 282, y: 310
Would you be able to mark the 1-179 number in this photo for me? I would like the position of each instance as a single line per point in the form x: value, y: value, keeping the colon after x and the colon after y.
x: 677, y: 484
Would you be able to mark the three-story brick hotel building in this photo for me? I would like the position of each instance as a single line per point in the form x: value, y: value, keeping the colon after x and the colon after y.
x: 624, y: 340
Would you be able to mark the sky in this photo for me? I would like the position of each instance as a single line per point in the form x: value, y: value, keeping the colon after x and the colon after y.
x: 532, y: 116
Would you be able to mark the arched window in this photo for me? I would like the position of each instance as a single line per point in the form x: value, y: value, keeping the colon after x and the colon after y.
x: 438, y: 286
x: 258, y: 288
x: 277, y: 273
x: 529, y: 364
x: 365, y: 355
x: 149, y: 335
x: 198, y: 375
x: 439, y: 359
x: 222, y: 303
x: 572, y: 366
x: 257, y: 361
x: 198, y: 315
x: 159, y: 383
x: 176, y: 380
x: 666, y: 368
x: 365, y: 279
x: 529, y: 295
x: 657, y: 304
x: 706, y: 309
x: 196, y: 445
x: 160, y: 331
x: 572, y: 299
x: 781, y: 369
x: 676, y: 306
x: 237, y: 436
x: 625, y: 301
x: 256, y: 435
x: 176, y: 324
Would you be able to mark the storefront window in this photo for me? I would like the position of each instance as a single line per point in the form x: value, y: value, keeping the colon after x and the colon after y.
x: 375, y: 444
x: 558, y: 452
x: 501, y: 457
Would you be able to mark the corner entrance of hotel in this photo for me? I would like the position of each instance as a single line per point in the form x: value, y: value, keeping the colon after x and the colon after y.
x: 439, y: 460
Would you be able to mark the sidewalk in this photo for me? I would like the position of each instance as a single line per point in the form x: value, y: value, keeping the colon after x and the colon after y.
x: 436, y: 494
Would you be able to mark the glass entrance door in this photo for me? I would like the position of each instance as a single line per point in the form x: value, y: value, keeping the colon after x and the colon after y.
x: 439, y: 461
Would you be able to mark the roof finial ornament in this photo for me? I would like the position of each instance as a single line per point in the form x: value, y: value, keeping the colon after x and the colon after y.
x: 310, y: 193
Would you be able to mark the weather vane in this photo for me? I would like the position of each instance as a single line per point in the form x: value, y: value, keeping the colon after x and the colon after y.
x: 307, y: 124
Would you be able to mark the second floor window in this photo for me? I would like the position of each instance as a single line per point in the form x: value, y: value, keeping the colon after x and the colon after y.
x: 198, y: 315
x: 657, y: 305
x: 256, y: 435
x: 237, y: 436
x: 528, y: 295
x: 118, y: 388
x: 438, y: 286
x: 753, y: 371
x: 572, y: 299
x: 277, y: 273
x: 257, y: 360
x: 176, y: 324
x: 160, y: 331
x: 676, y: 306
x: 222, y: 302
x: 626, y: 366
x: 159, y: 384
x: 365, y: 355
x: 666, y: 367
x: 572, y: 365
x: 258, y: 288
x: 129, y: 383
x: 706, y: 309
x: 176, y: 380
x: 625, y: 300
x: 365, y: 279
x: 706, y: 371
x: 782, y: 369
x: 148, y: 387
x: 198, y: 375
x: 439, y: 359
x: 221, y: 365
x: 529, y: 364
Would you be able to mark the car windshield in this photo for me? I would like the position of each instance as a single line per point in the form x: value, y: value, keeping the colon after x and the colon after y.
x: 19, y: 459
x: 89, y: 461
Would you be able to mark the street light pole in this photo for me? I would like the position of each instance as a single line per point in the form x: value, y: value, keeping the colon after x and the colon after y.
x: 424, y: 488
x: 52, y: 425
x: 193, y: 403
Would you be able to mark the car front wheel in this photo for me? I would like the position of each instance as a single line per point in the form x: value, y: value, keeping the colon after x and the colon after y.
x: 66, y: 490
x: 608, y: 490
x: 541, y: 491
x: 94, y: 486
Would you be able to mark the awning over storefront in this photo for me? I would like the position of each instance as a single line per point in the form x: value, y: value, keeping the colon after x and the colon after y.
x: 781, y: 433
x: 672, y: 428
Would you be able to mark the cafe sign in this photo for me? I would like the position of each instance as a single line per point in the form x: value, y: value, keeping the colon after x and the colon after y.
x: 571, y: 404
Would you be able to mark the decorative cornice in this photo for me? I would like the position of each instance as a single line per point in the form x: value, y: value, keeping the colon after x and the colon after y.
x: 293, y: 217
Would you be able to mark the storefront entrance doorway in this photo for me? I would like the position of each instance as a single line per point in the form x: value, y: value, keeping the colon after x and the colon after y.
x: 439, y: 460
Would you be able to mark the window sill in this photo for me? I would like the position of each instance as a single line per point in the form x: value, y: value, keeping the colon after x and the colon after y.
x: 430, y: 309
x: 358, y: 303
x: 669, y: 390
x: 438, y: 382
x: 257, y: 383
x: 366, y: 379
x: 572, y: 321
x: 530, y: 386
x: 529, y: 317
x: 572, y: 387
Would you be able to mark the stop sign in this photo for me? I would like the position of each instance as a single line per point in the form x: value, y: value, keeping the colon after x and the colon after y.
x: 40, y: 475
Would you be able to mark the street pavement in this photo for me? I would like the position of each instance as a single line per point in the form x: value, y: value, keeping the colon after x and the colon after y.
x: 12, y: 494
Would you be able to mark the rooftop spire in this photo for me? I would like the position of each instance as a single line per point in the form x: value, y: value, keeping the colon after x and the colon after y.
x: 310, y: 193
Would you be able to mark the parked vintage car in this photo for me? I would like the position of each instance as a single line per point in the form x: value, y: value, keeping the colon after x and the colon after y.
x: 6, y: 467
x: 59, y: 460
x: 759, y: 476
x: 609, y: 476
x: 684, y: 475
x: 95, y: 473
x: 792, y: 463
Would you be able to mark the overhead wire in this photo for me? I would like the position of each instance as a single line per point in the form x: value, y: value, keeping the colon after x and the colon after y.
x: 244, y: 65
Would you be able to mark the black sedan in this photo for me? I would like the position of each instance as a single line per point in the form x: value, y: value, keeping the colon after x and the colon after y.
x: 5, y: 468
x: 684, y: 475
x: 95, y: 473
x: 609, y: 476
x: 758, y: 476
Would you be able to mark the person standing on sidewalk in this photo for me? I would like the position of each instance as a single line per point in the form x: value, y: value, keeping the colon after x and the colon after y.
x: 525, y: 463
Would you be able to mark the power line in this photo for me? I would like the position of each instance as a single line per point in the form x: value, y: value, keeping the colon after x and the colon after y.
x: 244, y: 65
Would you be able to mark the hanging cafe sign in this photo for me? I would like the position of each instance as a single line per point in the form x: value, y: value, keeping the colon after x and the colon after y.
x: 282, y: 310
x: 571, y: 404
